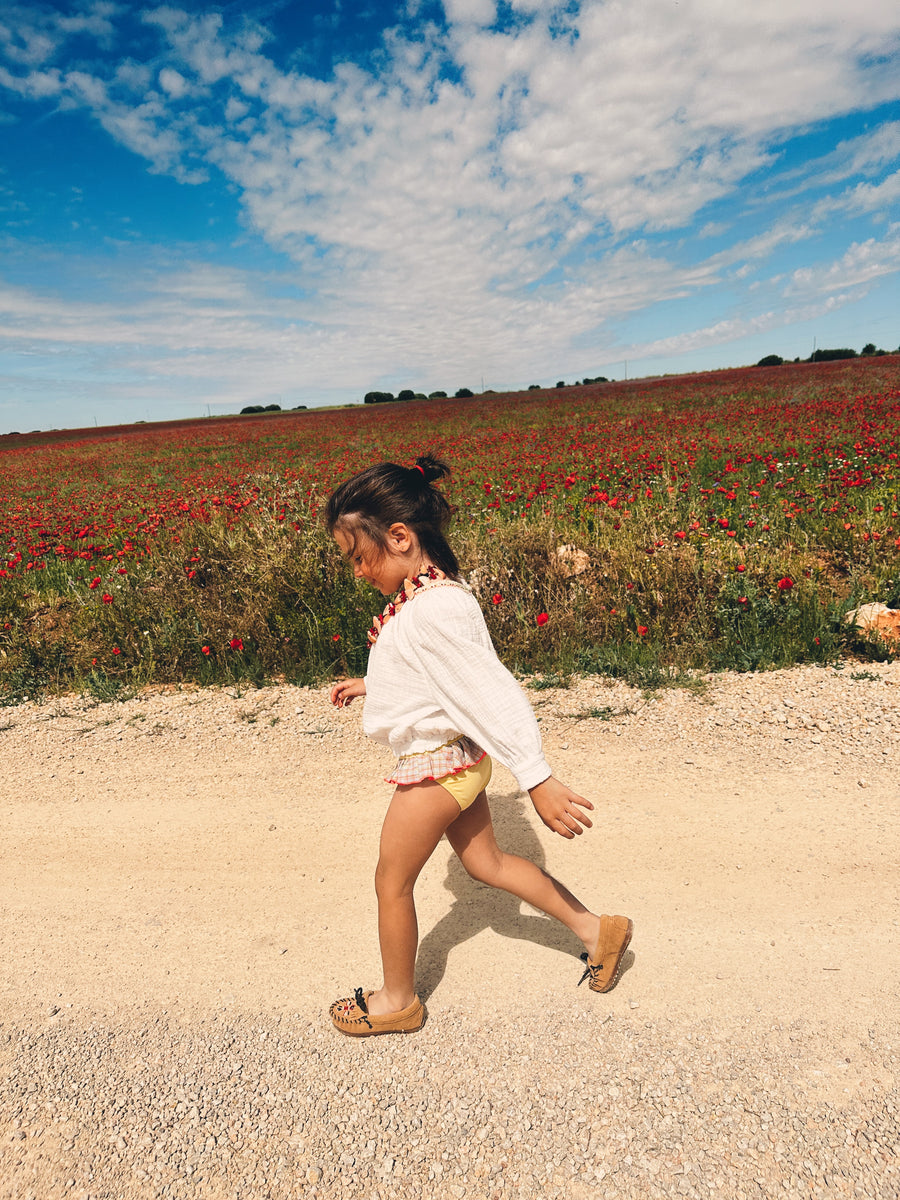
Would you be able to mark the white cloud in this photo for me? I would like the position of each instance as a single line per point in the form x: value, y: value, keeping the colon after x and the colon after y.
x: 863, y: 198
x: 862, y: 263
x: 733, y: 329
x: 23, y: 42
x: 470, y: 12
x: 173, y: 83
x: 482, y: 189
x: 36, y: 85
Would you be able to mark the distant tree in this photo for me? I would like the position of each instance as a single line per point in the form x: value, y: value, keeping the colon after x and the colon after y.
x: 560, y: 383
x: 378, y: 397
x: 406, y: 394
x: 437, y: 395
x: 831, y: 355
x: 252, y: 408
x: 299, y: 408
x: 463, y: 393
x: 771, y: 360
x: 596, y: 379
x: 272, y: 408
x: 869, y: 349
x: 535, y: 387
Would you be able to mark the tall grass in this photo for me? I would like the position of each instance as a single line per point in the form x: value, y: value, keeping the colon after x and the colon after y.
x: 689, y: 566
x: 260, y: 600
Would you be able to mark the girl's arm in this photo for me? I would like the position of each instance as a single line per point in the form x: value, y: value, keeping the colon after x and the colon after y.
x: 450, y: 641
x: 345, y: 690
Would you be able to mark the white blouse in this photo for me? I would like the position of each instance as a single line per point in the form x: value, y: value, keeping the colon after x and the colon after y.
x: 434, y: 675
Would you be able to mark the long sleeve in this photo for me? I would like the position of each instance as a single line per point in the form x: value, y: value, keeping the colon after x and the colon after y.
x: 441, y: 666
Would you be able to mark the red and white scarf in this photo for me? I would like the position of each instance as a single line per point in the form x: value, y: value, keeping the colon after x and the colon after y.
x: 410, y: 587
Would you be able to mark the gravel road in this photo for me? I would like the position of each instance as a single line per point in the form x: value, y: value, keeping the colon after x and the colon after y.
x: 179, y: 906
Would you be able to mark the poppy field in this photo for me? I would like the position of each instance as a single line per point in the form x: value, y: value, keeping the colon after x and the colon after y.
x: 639, y: 529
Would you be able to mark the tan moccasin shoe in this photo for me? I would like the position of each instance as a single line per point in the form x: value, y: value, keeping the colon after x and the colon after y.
x: 352, y: 1016
x: 605, y: 964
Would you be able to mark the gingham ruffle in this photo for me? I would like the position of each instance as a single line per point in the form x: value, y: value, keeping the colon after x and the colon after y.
x: 449, y: 759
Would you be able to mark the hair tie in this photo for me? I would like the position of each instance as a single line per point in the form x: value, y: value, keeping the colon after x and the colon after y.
x: 418, y: 468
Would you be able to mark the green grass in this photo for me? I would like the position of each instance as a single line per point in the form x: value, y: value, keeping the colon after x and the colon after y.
x: 716, y: 490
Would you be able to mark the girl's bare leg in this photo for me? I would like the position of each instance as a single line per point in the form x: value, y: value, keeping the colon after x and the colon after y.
x: 416, y: 820
x: 472, y: 837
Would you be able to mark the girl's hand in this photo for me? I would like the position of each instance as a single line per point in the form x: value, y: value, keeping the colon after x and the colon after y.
x: 343, y: 693
x: 560, y: 808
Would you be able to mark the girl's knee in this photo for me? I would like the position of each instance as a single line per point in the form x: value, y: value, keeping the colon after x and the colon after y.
x: 390, y: 883
x: 485, y: 868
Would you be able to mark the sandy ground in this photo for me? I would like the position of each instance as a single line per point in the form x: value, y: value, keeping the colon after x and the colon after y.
x: 214, y: 851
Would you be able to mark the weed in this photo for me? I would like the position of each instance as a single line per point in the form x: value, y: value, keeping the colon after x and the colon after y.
x: 603, y: 712
x: 540, y: 683
x: 104, y: 688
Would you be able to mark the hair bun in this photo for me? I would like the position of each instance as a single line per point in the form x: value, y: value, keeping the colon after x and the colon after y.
x: 431, y: 468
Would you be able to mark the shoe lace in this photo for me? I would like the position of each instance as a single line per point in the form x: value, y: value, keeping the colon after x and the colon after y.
x: 591, y: 969
x: 360, y: 1002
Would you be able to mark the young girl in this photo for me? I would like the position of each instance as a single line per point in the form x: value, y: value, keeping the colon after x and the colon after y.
x: 439, y: 697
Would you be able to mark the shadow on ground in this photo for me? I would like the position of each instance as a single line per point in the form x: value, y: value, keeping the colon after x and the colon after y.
x: 477, y: 906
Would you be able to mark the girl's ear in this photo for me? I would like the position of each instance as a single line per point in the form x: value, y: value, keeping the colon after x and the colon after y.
x: 400, y: 537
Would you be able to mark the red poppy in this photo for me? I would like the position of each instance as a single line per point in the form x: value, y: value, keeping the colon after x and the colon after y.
x: 205, y: 649
x: 236, y: 644
x: 95, y: 583
x: 496, y: 598
x: 785, y: 585
x: 335, y: 637
x: 643, y: 630
x: 740, y: 567
x: 542, y: 618
x: 107, y: 598
x: 116, y: 650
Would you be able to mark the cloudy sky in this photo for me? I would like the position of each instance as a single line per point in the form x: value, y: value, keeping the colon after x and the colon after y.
x: 206, y: 206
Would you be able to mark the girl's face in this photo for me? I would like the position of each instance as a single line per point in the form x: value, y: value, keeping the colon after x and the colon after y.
x: 384, y: 567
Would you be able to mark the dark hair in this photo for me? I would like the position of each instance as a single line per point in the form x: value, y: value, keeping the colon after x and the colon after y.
x: 375, y: 499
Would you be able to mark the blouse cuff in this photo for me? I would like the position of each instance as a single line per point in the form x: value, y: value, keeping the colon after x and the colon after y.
x: 534, y: 773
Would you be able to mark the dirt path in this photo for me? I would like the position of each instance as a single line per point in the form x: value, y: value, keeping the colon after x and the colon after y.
x: 205, y: 850
x: 207, y: 853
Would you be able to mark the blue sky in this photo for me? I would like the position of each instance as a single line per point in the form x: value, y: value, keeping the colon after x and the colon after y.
x: 206, y: 206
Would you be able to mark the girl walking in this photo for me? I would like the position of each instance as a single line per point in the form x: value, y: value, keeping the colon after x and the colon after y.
x: 439, y: 697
